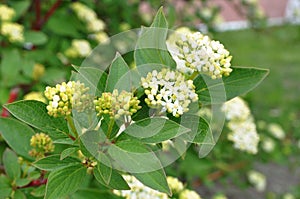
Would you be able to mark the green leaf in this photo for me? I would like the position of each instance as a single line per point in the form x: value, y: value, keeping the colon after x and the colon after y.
x: 94, y: 194
x: 35, y: 114
x: 36, y: 38
x: 116, y: 180
x: 17, y: 135
x: 53, y: 162
x: 93, y: 78
x: 39, y: 192
x: 20, y: 7
x: 200, y: 130
x: 160, y: 20
x: 139, y: 160
x: 118, y: 69
x: 10, y: 67
x: 151, y: 45
x: 156, y: 180
x: 67, y: 152
x: 20, y: 182
x: 19, y: 194
x: 154, y: 130
x: 11, y: 164
x: 104, y: 167
x: 64, y: 181
x: 5, y: 187
x: 240, y: 81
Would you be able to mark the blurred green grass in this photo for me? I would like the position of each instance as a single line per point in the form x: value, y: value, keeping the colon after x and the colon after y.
x: 277, y: 99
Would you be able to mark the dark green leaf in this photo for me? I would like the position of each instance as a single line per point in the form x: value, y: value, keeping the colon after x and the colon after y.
x: 17, y: 135
x: 20, y: 7
x: 94, y: 194
x: 67, y: 152
x: 116, y: 180
x: 155, y: 130
x: 10, y: 67
x: 5, y: 187
x: 36, y: 38
x: 118, y: 69
x: 19, y: 194
x: 240, y: 81
x: 64, y: 181
x: 35, y: 114
x: 20, y: 182
x: 11, y: 164
x: 39, y: 192
x: 137, y: 159
x: 52, y: 162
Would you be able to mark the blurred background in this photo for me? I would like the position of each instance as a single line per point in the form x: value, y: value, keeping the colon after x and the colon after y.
x: 41, y: 39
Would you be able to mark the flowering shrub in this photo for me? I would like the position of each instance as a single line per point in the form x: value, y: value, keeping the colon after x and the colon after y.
x: 107, y: 125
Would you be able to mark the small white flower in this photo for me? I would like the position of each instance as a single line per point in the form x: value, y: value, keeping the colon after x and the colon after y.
x: 276, y: 130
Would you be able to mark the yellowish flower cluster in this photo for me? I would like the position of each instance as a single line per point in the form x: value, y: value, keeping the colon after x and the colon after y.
x: 42, y: 144
x: 63, y: 97
x: 95, y: 26
x: 175, y: 185
x: 169, y: 91
x: 79, y: 48
x: 276, y: 130
x: 243, y: 129
x: 258, y: 180
x: 193, y: 51
x: 38, y: 96
x: 6, y: 13
x: 13, y: 31
x: 117, y: 105
x: 38, y: 71
x: 188, y: 194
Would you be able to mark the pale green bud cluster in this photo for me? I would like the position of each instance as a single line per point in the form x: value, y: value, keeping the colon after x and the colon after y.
x: 175, y: 185
x: 188, y: 194
x: 243, y: 129
x: 258, y: 180
x: 6, y: 13
x: 169, y: 91
x: 196, y: 52
x: 63, y: 97
x: 41, y: 144
x: 117, y: 104
x: 13, y: 31
x: 79, y: 48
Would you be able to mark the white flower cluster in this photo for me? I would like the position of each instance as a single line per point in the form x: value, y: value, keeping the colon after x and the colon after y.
x: 63, y: 97
x: 13, y: 31
x: 138, y: 190
x: 6, y: 13
x: 169, y: 91
x: 94, y: 25
x: 258, y: 180
x: 243, y: 129
x: 193, y: 51
x: 79, y: 48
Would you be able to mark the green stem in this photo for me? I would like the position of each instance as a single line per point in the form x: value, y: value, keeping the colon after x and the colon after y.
x: 195, y: 74
x: 71, y: 124
x: 110, y: 126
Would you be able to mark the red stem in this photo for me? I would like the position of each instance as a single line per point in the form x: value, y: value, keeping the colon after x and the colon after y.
x: 51, y: 10
x: 13, y: 95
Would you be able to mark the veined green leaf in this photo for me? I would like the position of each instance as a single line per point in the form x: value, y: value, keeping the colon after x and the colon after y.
x: 65, y: 181
x: 154, y: 130
x: 116, y: 180
x: 17, y: 135
x: 53, y: 162
x: 35, y: 114
x: 240, y: 81
x: 11, y: 164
